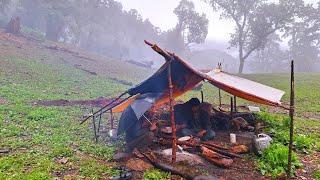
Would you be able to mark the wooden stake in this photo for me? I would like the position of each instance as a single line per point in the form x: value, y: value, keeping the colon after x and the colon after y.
x: 220, y: 98
x: 94, y: 127
x: 235, y: 103
x: 231, y: 105
x: 291, y: 113
x: 202, y: 98
x: 173, y: 125
x: 111, y: 119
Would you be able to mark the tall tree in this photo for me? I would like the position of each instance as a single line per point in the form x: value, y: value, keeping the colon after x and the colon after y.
x: 191, y: 25
x: 304, y: 34
x: 255, y: 21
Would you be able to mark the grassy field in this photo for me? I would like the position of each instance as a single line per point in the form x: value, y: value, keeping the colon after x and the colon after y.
x: 46, y: 142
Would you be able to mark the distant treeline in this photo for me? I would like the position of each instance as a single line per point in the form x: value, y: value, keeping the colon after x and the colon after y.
x: 103, y: 26
x: 267, y: 34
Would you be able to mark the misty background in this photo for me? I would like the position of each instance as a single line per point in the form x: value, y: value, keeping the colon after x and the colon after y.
x: 247, y: 36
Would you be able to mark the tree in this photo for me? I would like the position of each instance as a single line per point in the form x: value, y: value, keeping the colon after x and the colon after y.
x: 192, y: 26
x: 304, y: 43
x: 255, y: 21
x: 4, y: 4
x: 271, y: 58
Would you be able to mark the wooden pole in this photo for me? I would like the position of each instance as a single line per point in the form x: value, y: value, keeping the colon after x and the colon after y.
x: 202, y: 98
x: 101, y: 109
x: 291, y: 113
x: 94, y: 127
x: 173, y: 125
x: 111, y: 119
x: 235, y: 103
x: 220, y: 98
x: 231, y: 105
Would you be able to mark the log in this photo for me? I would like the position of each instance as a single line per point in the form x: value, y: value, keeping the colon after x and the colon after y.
x: 196, y: 144
x: 166, y: 167
x: 226, y: 153
x: 214, y: 145
x: 216, y: 158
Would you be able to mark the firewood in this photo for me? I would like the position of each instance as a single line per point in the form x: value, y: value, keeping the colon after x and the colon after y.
x: 216, y: 158
x: 214, y: 145
x: 166, y: 167
x: 226, y: 153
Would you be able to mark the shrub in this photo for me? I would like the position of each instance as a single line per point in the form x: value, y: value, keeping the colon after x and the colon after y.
x: 274, y: 160
x: 316, y: 175
x: 155, y: 174
x: 303, y: 142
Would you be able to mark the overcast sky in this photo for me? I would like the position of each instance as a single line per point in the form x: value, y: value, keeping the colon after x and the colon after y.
x: 160, y: 14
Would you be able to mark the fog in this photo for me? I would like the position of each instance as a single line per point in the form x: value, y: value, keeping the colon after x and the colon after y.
x: 256, y: 37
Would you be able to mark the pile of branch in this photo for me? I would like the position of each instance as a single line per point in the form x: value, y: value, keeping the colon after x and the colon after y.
x: 166, y: 167
x: 214, y: 153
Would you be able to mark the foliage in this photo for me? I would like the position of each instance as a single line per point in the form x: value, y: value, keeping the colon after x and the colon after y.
x: 318, y: 146
x: 279, y: 129
x: 255, y: 21
x: 316, y: 175
x: 274, y: 160
x: 192, y: 25
x: 155, y: 174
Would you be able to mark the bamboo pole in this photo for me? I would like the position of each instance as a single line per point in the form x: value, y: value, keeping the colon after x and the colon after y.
x: 173, y: 125
x: 291, y: 113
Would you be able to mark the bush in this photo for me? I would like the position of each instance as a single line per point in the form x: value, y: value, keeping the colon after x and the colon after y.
x: 316, y: 175
x: 155, y: 174
x: 274, y: 160
x: 303, y: 142
x: 317, y: 146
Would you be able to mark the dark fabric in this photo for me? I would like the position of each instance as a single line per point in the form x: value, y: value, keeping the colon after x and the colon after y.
x: 201, y: 120
x: 183, y: 113
x: 130, y: 121
x: 158, y: 82
x: 130, y: 125
x: 127, y: 119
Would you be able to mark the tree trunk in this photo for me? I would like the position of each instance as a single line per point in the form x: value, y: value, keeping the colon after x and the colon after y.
x: 53, y: 27
x: 241, y: 58
x: 241, y: 65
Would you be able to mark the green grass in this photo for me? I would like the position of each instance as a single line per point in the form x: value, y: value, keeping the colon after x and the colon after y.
x: 38, y: 136
x: 154, y: 174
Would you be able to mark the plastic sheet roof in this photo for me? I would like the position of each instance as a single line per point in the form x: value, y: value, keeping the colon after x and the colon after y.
x: 185, y: 77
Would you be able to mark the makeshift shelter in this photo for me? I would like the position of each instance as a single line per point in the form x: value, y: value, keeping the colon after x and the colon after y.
x: 174, y: 78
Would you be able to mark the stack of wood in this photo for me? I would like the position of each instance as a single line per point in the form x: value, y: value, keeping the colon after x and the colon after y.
x: 216, y: 154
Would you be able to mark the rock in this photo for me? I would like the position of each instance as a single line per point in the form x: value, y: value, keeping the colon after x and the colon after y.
x: 63, y: 160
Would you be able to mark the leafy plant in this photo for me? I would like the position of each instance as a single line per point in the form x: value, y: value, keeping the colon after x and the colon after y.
x: 316, y: 175
x: 154, y: 174
x: 274, y: 160
x: 303, y: 142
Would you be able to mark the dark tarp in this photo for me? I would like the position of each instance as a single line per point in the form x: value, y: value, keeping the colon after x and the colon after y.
x: 130, y: 118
